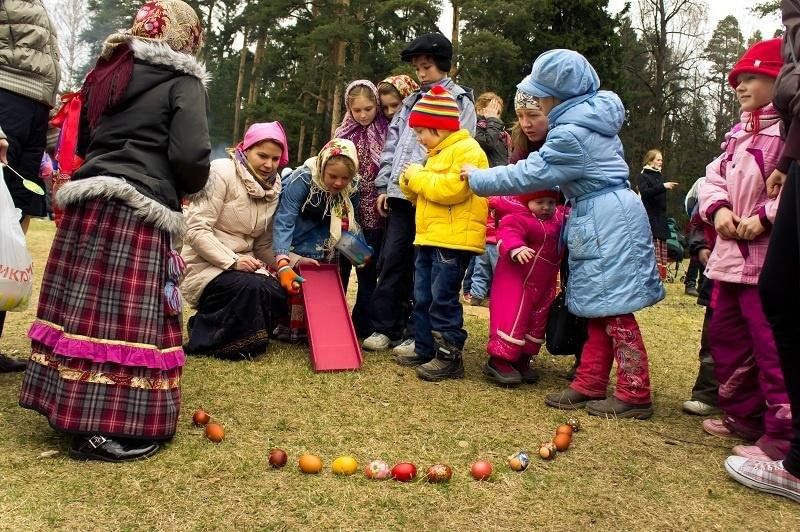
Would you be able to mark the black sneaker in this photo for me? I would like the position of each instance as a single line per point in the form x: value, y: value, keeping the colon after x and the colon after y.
x: 11, y: 365
x: 414, y: 359
x: 691, y: 291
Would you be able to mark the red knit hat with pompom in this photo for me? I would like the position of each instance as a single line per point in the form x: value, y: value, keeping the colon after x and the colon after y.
x: 437, y: 109
x: 547, y: 193
x: 763, y: 58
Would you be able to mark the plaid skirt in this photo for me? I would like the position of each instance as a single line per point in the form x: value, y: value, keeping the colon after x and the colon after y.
x: 662, y: 257
x: 106, y: 356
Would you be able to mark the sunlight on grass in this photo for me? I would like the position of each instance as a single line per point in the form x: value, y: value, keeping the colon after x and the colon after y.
x: 628, y: 475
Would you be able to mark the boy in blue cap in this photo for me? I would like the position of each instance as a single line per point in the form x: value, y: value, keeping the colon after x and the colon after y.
x: 612, y: 267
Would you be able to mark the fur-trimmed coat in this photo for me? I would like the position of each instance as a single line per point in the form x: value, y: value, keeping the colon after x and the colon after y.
x: 153, y: 147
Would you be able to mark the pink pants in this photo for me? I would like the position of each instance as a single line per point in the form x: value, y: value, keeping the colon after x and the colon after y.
x: 752, y: 393
x: 521, y: 298
x: 614, y: 338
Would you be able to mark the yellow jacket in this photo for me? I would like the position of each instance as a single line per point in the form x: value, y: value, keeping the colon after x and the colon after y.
x: 449, y: 214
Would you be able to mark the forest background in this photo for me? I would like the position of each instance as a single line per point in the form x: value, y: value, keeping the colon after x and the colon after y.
x: 290, y: 60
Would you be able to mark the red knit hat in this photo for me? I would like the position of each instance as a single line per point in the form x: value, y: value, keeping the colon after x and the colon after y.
x: 546, y: 193
x: 437, y: 109
x: 763, y: 58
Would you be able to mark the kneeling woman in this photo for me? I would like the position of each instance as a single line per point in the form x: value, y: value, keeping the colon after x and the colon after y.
x: 229, y: 246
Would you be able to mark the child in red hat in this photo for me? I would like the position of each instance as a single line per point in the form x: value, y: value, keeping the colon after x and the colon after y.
x: 733, y: 198
x: 524, y: 286
x: 450, y: 230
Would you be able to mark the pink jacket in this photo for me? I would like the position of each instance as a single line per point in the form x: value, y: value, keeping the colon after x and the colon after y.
x: 736, y: 179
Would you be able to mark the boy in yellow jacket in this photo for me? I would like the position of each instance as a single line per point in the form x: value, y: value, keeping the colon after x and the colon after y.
x: 451, y: 229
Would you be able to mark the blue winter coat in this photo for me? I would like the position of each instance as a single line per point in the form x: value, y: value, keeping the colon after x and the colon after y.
x: 611, y: 260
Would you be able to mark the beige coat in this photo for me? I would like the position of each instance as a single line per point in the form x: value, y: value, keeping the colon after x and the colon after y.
x: 232, y: 219
x: 28, y: 51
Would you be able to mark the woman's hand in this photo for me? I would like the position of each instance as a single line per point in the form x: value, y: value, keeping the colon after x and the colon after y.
x: 725, y: 223
x: 749, y: 228
x: 246, y: 263
x: 774, y: 183
x: 3, y: 151
x: 465, y: 171
x: 522, y: 254
x: 669, y: 185
x: 306, y: 260
x: 382, y: 205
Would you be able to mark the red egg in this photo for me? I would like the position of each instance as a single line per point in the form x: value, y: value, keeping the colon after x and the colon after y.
x: 214, y: 432
x: 404, y: 471
x: 439, y: 473
x: 201, y: 417
x: 481, y: 470
x: 277, y: 458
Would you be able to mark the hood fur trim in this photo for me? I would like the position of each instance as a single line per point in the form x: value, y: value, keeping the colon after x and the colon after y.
x: 161, y: 54
x: 116, y: 188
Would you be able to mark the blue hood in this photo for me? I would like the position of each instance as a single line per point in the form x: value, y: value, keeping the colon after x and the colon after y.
x: 602, y: 113
x: 561, y: 73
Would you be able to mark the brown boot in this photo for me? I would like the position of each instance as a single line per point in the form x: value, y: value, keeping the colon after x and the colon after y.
x: 613, y: 407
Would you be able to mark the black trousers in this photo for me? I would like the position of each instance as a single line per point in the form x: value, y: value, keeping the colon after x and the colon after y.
x: 24, y: 121
x: 367, y: 276
x: 779, y: 286
x: 391, y: 301
x: 693, y: 273
x: 706, y: 386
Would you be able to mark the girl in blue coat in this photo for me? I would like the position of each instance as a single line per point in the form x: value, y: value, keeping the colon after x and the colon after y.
x: 612, y: 268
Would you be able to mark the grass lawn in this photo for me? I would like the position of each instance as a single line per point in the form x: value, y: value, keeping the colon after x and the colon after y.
x: 663, y: 474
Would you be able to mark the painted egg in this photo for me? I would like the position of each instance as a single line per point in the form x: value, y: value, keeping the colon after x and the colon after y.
x: 547, y: 450
x: 562, y: 441
x: 519, y: 461
x: 377, y: 470
x: 575, y: 423
x: 278, y: 458
x: 404, y: 471
x: 344, y: 465
x: 201, y: 417
x: 439, y: 473
x: 310, y: 463
x: 564, y: 429
x: 214, y: 432
x: 481, y: 470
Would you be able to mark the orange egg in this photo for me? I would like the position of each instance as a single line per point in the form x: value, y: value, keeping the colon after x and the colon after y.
x: 214, y: 432
x: 564, y: 429
x: 562, y: 441
x: 310, y: 463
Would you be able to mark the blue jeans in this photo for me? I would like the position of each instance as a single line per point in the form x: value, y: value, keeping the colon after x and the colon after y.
x: 437, y: 280
x: 484, y: 271
x: 467, y: 285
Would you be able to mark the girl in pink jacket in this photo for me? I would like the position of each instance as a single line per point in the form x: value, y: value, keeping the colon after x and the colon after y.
x: 524, y: 286
x: 733, y: 198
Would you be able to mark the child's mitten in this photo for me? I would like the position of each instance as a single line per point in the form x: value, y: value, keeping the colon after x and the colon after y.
x: 288, y: 278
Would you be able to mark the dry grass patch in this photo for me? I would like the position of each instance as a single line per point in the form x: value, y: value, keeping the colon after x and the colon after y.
x: 630, y: 475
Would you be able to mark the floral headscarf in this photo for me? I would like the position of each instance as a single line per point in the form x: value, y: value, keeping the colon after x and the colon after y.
x: 339, y: 206
x: 404, y: 84
x: 523, y: 100
x: 369, y: 141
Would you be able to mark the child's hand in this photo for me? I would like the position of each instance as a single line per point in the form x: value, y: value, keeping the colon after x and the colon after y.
x: 465, y: 171
x: 522, y: 254
x: 703, y: 255
x: 3, y: 151
x: 289, y: 279
x: 725, y: 223
x: 493, y: 110
x: 382, y: 205
x: 749, y: 228
x: 774, y: 183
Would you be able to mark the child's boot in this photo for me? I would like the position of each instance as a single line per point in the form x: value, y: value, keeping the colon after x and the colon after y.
x: 502, y: 372
x: 523, y: 366
x: 447, y: 364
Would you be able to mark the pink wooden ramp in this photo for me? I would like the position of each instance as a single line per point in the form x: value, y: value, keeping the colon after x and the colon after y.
x: 331, y: 336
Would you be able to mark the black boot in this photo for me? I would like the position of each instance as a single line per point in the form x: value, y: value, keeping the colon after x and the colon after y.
x: 10, y: 364
x: 446, y: 365
x: 110, y: 449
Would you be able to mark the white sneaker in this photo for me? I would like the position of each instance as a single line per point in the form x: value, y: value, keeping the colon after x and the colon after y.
x: 406, y: 347
x: 770, y: 477
x: 376, y: 342
x: 699, y: 408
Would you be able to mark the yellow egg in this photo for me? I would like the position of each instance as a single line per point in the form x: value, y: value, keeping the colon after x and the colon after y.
x: 344, y: 465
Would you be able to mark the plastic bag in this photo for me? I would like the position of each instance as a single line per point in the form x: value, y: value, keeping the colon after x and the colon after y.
x: 16, y: 265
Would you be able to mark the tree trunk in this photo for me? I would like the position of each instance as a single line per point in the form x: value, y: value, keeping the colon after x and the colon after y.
x: 336, y: 114
x: 239, y: 86
x: 454, y: 34
x: 255, y: 78
x: 320, y: 117
x: 301, y: 137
